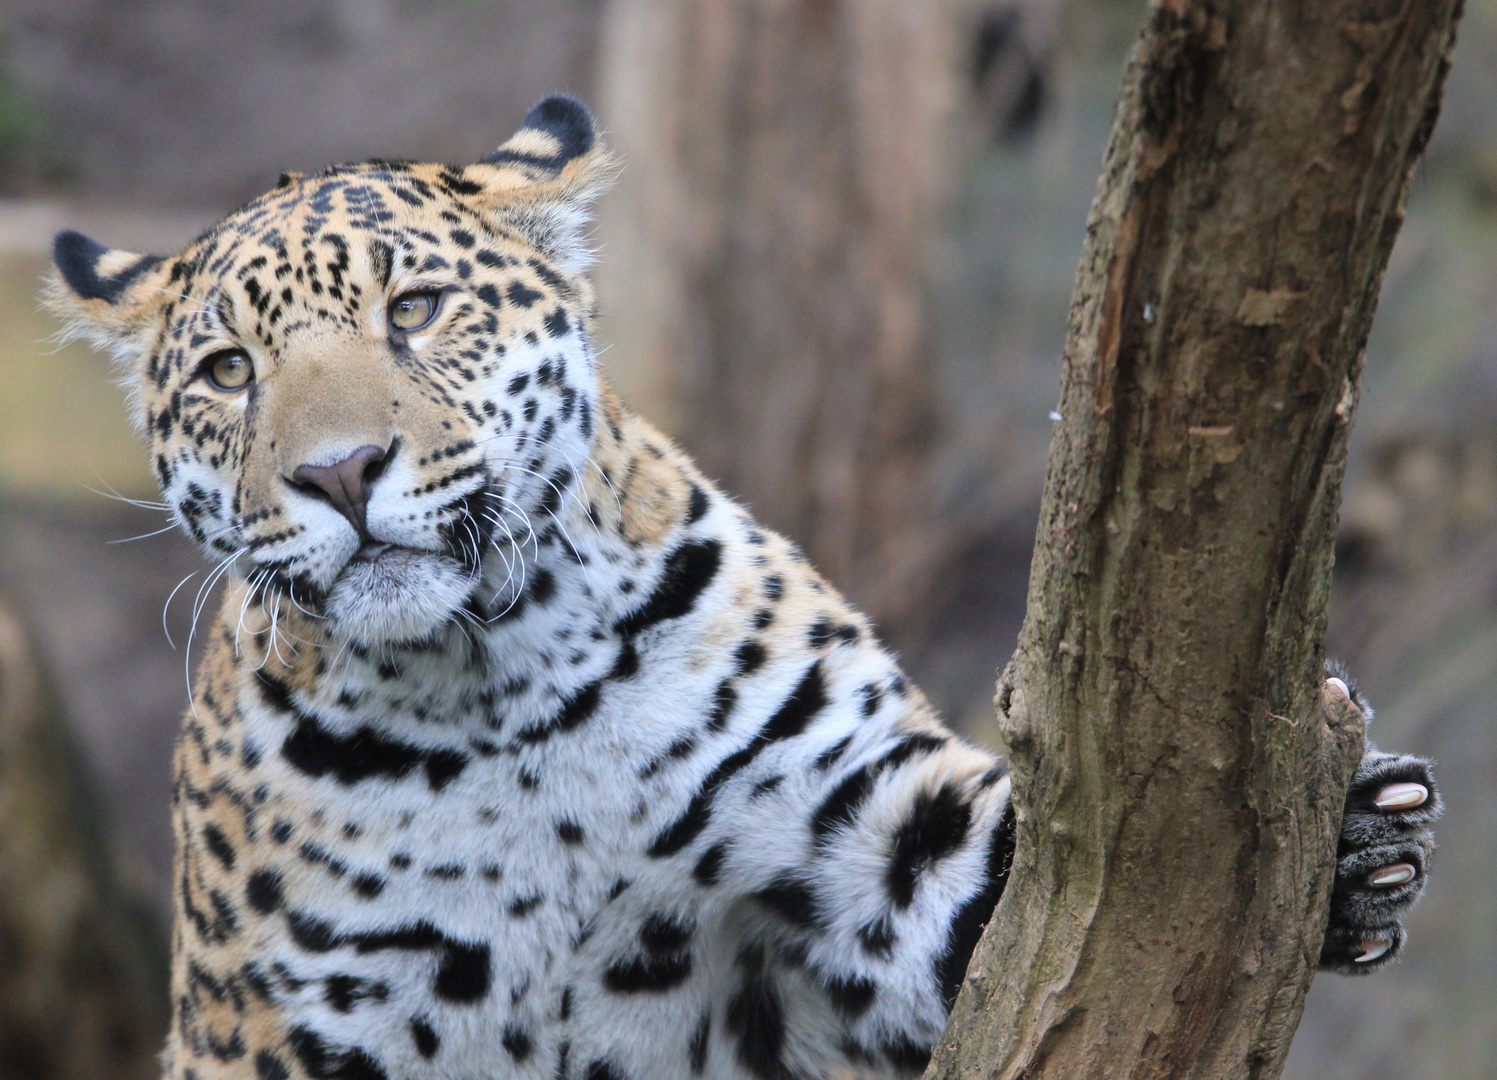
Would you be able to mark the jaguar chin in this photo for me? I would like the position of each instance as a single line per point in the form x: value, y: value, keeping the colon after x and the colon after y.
x: 388, y: 595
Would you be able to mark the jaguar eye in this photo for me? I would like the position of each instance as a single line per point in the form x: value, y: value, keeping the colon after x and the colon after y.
x: 413, y: 310
x: 230, y: 370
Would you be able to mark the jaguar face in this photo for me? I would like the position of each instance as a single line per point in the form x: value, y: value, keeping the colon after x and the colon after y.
x: 364, y: 386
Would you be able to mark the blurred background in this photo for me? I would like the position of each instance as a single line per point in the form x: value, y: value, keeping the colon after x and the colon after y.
x: 836, y: 268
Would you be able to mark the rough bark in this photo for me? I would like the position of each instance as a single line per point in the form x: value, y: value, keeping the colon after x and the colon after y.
x: 82, y: 970
x: 772, y: 235
x: 1178, y: 783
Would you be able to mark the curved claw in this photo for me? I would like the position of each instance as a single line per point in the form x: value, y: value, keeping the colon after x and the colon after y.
x: 1396, y: 874
x: 1402, y: 796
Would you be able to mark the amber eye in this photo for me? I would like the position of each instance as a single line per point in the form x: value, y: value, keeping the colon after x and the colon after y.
x: 413, y: 310
x: 230, y: 370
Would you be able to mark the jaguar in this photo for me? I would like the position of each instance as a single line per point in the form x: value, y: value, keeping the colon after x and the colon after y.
x: 518, y: 749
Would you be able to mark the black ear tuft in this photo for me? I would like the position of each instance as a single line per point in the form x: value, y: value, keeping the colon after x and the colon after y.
x: 78, y: 259
x: 567, y: 126
x: 567, y: 121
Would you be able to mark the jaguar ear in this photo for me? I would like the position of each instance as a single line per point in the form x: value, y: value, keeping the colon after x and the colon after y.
x: 98, y: 292
x: 545, y: 178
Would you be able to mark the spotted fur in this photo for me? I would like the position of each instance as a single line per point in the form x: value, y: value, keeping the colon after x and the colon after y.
x: 518, y: 750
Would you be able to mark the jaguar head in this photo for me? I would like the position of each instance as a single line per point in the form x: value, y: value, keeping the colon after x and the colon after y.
x: 366, y: 384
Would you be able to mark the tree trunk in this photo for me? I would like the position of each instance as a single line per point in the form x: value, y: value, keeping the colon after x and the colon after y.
x: 1178, y: 787
x: 785, y: 170
x: 82, y: 970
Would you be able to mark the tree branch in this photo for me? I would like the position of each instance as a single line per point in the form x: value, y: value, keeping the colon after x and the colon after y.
x: 1179, y: 782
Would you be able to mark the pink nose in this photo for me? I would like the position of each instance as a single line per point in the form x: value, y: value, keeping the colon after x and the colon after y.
x: 344, y: 484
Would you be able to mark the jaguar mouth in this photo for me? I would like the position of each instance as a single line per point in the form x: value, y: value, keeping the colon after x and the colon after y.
x: 389, y: 593
x: 372, y: 550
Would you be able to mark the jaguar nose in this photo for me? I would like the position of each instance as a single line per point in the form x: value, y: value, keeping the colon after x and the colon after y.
x: 345, y: 484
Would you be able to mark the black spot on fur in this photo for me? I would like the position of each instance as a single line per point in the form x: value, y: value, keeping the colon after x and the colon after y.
x: 442, y: 766
x: 569, y: 832
x: 839, y: 809
x: 756, y: 1017
x: 312, y: 934
x: 684, y: 829
x: 936, y: 826
x: 270, y: 1067
x: 750, y: 657
x: 877, y: 937
x: 681, y: 748
x: 697, y: 1051
x: 832, y: 754
x: 522, y: 295
x: 463, y: 976
x: 648, y: 974
x: 574, y: 713
x: 426, y: 1040
x: 722, y: 705
x: 322, y: 1062
x: 275, y: 693
x: 791, y: 899
x: 696, y: 506
x: 910, y: 745
x: 524, y: 905
x: 851, y: 996
x: 463, y: 970
x: 219, y: 845
x: 363, y: 754
x: 517, y: 1042
x: 906, y: 1055
x: 368, y: 885
x: 626, y: 665
x: 709, y: 867
x: 344, y: 992
x: 765, y: 786
x: 542, y: 586
x: 804, y: 702
x: 688, y: 570
x: 603, y: 1069
x: 970, y: 919
x: 663, y: 934
x: 263, y: 890
x: 823, y: 631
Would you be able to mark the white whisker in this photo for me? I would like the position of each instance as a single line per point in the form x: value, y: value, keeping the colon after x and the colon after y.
x: 144, y: 536
x: 197, y: 608
x: 249, y: 592
x: 111, y: 493
x: 168, y: 604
